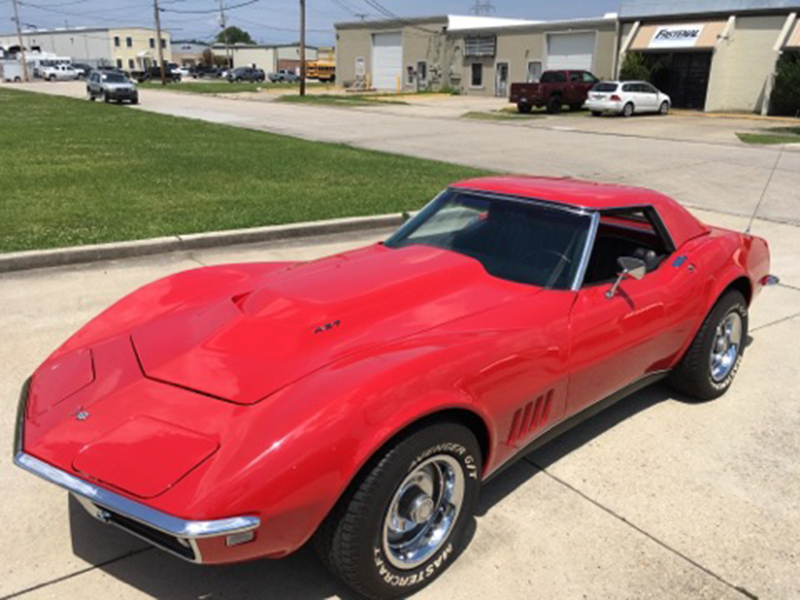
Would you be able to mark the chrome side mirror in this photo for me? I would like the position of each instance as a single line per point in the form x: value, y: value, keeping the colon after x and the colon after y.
x: 631, y: 267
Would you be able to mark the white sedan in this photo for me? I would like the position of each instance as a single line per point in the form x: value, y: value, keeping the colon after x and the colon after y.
x: 627, y: 98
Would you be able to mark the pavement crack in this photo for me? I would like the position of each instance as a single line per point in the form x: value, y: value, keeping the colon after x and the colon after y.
x: 778, y: 322
x: 74, y: 574
x: 741, y: 590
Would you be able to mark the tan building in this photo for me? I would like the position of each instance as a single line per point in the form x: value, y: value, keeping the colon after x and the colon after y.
x: 131, y: 48
x: 714, y: 55
x: 475, y: 55
x: 268, y: 57
x: 188, y: 54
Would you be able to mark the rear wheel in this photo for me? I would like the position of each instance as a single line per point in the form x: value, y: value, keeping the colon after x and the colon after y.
x: 554, y: 105
x: 524, y: 108
x: 712, y: 361
x: 404, y: 521
x: 628, y: 110
x: 597, y: 113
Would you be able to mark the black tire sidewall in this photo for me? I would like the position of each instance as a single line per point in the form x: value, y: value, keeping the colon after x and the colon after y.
x: 382, y: 578
x: 733, y: 302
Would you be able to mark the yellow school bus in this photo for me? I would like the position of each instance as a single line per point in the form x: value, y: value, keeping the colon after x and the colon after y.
x: 321, y: 70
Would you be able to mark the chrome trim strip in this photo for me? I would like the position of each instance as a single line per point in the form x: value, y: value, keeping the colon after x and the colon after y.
x: 524, y: 199
x: 134, y: 510
x: 587, y: 253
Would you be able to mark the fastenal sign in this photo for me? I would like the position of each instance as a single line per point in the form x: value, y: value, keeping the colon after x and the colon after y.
x: 676, y: 36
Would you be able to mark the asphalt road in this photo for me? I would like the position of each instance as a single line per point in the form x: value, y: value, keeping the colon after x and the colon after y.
x: 657, y: 497
x: 697, y: 160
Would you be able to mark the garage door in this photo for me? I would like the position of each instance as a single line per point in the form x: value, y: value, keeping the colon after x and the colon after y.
x: 570, y: 51
x: 387, y: 60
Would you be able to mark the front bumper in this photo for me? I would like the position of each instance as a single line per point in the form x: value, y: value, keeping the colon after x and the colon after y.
x: 123, y: 94
x: 173, y: 534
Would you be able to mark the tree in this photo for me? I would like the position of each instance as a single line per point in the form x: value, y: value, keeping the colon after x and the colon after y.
x: 234, y: 35
x: 637, y: 68
x: 785, y: 99
x: 208, y: 58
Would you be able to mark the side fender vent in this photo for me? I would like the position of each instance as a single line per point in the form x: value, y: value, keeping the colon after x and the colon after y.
x: 530, y: 417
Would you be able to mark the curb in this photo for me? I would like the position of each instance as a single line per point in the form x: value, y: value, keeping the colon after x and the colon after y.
x: 37, y: 259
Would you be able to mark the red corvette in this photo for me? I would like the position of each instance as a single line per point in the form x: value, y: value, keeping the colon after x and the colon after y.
x: 237, y: 412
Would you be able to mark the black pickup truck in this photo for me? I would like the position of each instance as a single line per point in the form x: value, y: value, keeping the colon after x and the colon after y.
x: 154, y: 74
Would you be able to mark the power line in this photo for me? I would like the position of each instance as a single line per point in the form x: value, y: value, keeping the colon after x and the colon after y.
x: 387, y: 13
x: 206, y: 12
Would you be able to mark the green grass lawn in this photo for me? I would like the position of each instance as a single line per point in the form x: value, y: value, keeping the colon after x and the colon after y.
x: 224, y: 87
x: 773, y: 135
x: 75, y: 172
x: 339, y: 99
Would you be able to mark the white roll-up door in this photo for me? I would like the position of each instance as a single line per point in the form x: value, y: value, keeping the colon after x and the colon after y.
x: 387, y: 60
x: 570, y: 51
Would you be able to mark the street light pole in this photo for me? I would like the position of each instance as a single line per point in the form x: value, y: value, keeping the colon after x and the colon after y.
x: 21, y: 45
x: 160, y: 43
x: 302, y: 47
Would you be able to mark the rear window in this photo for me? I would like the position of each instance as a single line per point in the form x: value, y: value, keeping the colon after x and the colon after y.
x: 604, y: 86
x: 553, y: 77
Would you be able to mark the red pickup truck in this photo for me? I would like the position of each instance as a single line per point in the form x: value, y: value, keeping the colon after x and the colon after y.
x: 554, y: 90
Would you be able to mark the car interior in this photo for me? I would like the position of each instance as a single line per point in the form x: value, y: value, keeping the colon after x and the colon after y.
x: 624, y: 233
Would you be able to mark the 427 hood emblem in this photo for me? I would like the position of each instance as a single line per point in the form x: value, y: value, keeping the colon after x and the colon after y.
x: 82, y: 414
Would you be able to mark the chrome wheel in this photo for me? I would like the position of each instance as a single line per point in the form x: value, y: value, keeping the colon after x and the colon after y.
x: 726, y: 347
x: 423, y: 512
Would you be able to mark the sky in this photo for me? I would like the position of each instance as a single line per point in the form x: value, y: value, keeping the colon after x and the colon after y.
x: 270, y: 20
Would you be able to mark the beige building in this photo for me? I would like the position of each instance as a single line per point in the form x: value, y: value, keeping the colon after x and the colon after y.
x: 475, y: 55
x: 713, y: 55
x: 269, y: 57
x: 131, y: 48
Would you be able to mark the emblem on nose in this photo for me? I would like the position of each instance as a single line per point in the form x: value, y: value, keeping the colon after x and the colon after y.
x: 82, y: 414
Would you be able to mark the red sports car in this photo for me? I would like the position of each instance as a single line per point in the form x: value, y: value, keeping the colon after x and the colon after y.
x: 237, y: 412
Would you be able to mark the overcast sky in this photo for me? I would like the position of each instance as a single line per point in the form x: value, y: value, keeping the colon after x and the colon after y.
x: 270, y: 20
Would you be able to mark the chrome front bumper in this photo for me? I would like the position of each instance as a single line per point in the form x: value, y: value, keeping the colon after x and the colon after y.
x: 175, y: 535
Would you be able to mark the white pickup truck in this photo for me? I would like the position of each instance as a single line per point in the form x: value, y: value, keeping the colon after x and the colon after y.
x: 58, y: 73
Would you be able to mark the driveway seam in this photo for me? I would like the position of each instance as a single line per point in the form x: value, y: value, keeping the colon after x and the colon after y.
x: 69, y: 576
x: 741, y: 590
x: 778, y: 322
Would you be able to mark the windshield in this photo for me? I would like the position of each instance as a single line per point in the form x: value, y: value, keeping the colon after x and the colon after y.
x: 115, y: 78
x: 516, y: 240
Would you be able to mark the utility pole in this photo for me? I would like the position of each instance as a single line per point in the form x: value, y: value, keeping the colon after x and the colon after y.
x: 302, y: 47
x: 224, y: 25
x: 21, y: 45
x: 160, y: 44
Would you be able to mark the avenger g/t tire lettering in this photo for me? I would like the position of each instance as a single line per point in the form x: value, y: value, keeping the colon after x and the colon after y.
x: 403, y: 521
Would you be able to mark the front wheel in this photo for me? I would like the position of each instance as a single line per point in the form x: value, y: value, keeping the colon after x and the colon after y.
x: 405, y: 519
x: 664, y: 108
x: 710, y: 364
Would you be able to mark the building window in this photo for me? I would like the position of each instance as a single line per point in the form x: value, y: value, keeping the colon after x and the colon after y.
x: 131, y: 63
x: 152, y: 42
x: 119, y: 63
x: 410, y: 75
x: 163, y: 43
x: 479, y: 46
x: 477, y: 75
x: 129, y: 42
x: 534, y: 71
x: 116, y: 41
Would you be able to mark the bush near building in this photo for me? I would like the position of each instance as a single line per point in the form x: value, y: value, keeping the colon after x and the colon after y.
x: 785, y: 99
x: 637, y: 67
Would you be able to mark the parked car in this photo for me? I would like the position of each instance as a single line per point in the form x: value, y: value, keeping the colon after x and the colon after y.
x: 111, y: 86
x: 246, y: 74
x: 180, y: 70
x: 284, y: 76
x: 82, y: 69
x: 58, y: 73
x: 554, y: 90
x: 238, y: 411
x: 627, y: 98
x: 154, y: 74
x: 204, y: 71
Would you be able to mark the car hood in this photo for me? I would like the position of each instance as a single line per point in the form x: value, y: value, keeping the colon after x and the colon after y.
x: 244, y: 347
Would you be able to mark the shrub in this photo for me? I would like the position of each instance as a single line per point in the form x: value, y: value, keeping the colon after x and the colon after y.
x: 637, y: 67
x: 785, y: 99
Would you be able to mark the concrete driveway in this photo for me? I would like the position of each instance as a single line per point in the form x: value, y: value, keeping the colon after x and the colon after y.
x: 657, y: 497
x: 697, y: 160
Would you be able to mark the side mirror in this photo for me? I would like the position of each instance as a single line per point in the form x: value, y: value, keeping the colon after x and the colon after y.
x: 631, y: 267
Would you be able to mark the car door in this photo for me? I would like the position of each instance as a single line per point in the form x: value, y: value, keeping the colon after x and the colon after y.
x: 639, y: 330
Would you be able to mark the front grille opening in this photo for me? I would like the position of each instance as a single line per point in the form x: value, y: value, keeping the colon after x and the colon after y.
x: 154, y: 536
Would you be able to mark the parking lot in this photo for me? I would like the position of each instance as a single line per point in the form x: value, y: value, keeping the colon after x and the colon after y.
x: 657, y: 497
